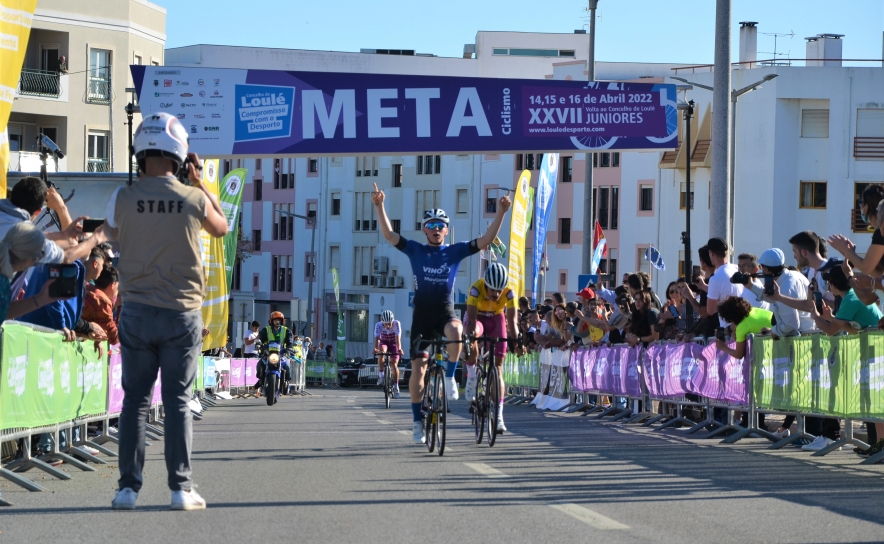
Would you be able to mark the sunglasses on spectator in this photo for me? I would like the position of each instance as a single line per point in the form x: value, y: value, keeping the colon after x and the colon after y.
x: 435, y: 225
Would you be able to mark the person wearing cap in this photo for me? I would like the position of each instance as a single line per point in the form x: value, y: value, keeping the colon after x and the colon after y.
x: 789, y: 321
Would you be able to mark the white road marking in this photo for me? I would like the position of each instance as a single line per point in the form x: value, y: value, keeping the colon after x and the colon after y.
x: 482, y: 468
x: 589, y: 517
x: 369, y: 414
x: 406, y: 433
x: 350, y: 400
x: 384, y: 422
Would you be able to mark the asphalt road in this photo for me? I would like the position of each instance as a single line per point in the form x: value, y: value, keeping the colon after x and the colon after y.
x: 338, y: 467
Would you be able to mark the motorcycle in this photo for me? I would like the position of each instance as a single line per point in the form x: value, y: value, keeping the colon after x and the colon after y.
x: 276, y: 367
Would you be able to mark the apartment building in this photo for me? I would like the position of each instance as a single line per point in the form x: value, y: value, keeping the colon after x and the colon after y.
x: 80, y: 105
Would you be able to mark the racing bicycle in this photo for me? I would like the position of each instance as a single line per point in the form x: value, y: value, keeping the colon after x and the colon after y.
x: 388, y: 376
x: 435, y: 402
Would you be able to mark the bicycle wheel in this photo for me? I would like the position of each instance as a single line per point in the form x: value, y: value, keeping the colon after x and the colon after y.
x: 431, y: 422
x: 443, y: 410
x: 492, y: 403
x: 388, y: 388
x: 478, y: 406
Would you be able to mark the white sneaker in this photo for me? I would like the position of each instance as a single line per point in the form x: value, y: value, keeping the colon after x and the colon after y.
x: 125, y: 499
x: 785, y: 434
x: 453, y: 394
x: 187, y: 500
x: 88, y: 449
x: 501, y: 428
x: 819, y: 443
x: 380, y: 379
x: 396, y: 393
x: 470, y: 391
x: 418, y: 433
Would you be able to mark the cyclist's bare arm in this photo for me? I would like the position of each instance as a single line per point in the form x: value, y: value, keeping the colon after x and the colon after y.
x: 377, y: 198
x: 512, y: 324
x: 377, y: 343
x: 473, y: 319
x: 503, y: 205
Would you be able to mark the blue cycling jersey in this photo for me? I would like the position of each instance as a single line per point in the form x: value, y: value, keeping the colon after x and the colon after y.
x: 434, y: 268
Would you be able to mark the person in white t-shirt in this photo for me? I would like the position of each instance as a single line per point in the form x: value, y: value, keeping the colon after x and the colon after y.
x: 249, y: 340
x: 720, y: 286
x: 747, y: 263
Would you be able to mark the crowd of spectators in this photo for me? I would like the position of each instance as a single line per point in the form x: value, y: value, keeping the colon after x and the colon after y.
x: 29, y: 266
x: 724, y: 303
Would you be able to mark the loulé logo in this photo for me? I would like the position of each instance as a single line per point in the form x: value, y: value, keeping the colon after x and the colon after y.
x: 263, y: 112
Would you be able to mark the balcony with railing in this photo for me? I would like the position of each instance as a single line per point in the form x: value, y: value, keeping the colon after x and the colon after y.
x: 868, y: 147
x: 99, y: 91
x: 856, y: 221
x: 39, y: 83
x: 98, y: 165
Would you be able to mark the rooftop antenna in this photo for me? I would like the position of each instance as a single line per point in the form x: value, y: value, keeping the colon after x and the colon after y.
x: 776, y: 35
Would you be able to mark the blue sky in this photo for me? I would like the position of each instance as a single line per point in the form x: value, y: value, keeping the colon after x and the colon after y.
x: 628, y: 30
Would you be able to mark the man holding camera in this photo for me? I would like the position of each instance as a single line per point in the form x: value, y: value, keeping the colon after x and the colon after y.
x: 788, y: 321
x: 158, y: 221
x: 720, y: 286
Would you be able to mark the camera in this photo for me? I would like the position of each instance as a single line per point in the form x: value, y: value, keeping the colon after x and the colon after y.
x: 720, y: 334
x: 739, y: 277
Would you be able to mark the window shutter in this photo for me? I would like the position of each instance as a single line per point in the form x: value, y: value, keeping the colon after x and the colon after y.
x: 814, y: 123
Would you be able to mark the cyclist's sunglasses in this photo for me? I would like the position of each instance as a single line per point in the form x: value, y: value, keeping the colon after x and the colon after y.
x: 435, y: 225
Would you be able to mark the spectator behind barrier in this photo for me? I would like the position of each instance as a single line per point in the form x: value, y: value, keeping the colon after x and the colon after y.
x: 19, y: 250
x: 746, y: 320
x: 642, y: 324
x: 788, y: 320
x: 26, y: 203
x: 720, y: 286
x: 98, y: 306
x: 873, y: 261
x: 747, y: 263
x: 66, y: 314
x: 852, y: 314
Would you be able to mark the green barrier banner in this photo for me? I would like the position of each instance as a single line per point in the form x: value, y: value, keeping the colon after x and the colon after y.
x: 331, y: 371
x: 46, y: 381
x: 521, y: 370
x: 314, y: 369
x: 198, y: 382
x: 866, y: 377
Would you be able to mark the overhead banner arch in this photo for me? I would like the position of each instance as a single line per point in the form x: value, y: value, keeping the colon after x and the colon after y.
x: 230, y: 112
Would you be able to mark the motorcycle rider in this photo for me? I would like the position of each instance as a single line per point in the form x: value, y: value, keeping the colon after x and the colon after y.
x: 281, y: 338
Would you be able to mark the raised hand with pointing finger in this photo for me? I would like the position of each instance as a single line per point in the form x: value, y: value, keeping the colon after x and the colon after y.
x: 377, y: 196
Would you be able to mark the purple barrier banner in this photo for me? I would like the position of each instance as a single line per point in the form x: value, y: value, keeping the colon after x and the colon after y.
x: 229, y: 112
x: 251, y: 371
x: 157, y: 390
x: 673, y: 370
x: 726, y: 377
x: 651, y: 368
x: 115, y: 371
x: 237, y: 373
x: 607, y: 369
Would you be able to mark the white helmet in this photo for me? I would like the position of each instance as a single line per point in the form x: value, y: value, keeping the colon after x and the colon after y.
x: 435, y: 214
x: 496, y: 277
x: 387, y: 316
x: 161, y: 135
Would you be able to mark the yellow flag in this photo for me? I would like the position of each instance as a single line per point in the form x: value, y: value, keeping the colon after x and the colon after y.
x: 518, y: 230
x: 215, y: 303
x: 15, y: 29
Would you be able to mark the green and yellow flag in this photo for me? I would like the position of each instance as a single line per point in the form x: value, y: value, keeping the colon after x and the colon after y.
x: 215, y: 303
x: 518, y: 231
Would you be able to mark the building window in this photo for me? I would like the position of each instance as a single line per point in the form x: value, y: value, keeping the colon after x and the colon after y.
x: 255, y: 279
x: 365, y: 219
x: 277, y: 170
x: 595, y: 160
x: 564, y: 230
x: 615, y: 207
x: 605, y: 160
x: 366, y: 166
x: 612, y: 264
x: 336, y: 204
x: 334, y: 257
x: 567, y: 163
x: 312, y: 206
x: 529, y: 161
x: 97, y: 156
x: 429, y: 164
x: 281, y: 278
x: 490, y: 202
x: 137, y: 60
x: 813, y: 194
x: 259, y: 189
x: 99, y: 76
x: 283, y: 224
x: 682, y: 196
x: 256, y: 240
x: 647, y: 198
x: 642, y: 264
x: 814, y: 123
x: 313, y: 166
x: 563, y: 279
x: 257, y: 164
x: 519, y: 162
x: 274, y: 272
x: 615, y: 160
x: 396, y: 225
x: 397, y: 175
x: 362, y: 260
x: 603, y: 207
x: 463, y: 201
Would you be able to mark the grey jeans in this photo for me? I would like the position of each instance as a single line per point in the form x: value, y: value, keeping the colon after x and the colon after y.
x: 154, y: 339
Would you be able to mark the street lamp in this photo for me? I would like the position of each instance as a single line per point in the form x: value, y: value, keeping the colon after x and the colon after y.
x: 310, y: 217
x: 735, y: 94
x: 131, y: 109
x: 688, y: 109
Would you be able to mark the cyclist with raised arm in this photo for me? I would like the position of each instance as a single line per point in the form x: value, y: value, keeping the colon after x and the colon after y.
x: 491, y: 304
x: 434, y: 265
x: 388, y: 340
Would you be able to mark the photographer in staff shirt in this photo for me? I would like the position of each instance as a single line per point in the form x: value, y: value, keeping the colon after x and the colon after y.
x: 163, y: 282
